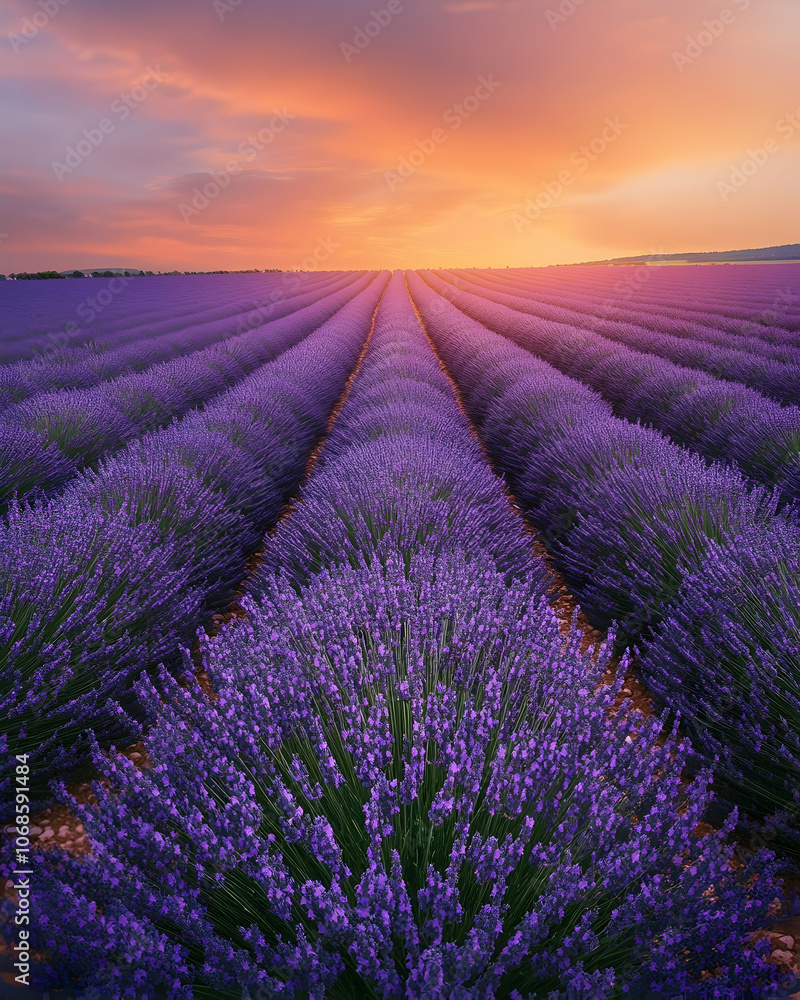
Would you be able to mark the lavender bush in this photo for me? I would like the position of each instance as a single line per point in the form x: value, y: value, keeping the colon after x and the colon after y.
x: 405, y: 787
x: 85, y: 424
x: 726, y: 657
x: 577, y: 309
x: 721, y: 420
x: 41, y: 326
x: 401, y: 433
x: 776, y: 379
x: 91, y: 364
x: 629, y: 517
x: 745, y: 302
x: 408, y: 783
x: 109, y: 578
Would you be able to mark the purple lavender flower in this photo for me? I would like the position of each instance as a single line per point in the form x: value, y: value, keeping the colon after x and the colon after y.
x: 113, y: 576
x: 408, y: 782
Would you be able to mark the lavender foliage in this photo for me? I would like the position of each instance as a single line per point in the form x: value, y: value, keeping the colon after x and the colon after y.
x: 578, y: 308
x: 408, y: 783
x: 125, y: 317
x: 745, y: 301
x: 721, y: 420
x: 630, y: 518
x: 86, y: 424
x: 777, y: 379
x: 727, y: 658
x: 405, y: 787
x: 109, y: 578
x: 401, y: 433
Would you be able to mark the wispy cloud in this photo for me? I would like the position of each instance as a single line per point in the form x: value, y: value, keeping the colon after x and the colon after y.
x: 466, y: 6
x: 325, y: 173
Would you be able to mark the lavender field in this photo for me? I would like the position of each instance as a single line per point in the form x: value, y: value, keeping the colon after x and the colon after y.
x: 425, y: 634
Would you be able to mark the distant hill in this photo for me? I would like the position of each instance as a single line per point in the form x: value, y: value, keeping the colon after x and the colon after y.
x: 790, y: 251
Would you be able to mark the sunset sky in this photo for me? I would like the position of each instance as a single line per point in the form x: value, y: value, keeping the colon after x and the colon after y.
x: 203, y: 134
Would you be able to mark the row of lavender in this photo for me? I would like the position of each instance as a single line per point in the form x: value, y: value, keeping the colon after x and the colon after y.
x: 38, y: 318
x: 69, y: 322
x: 408, y: 783
x: 144, y: 345
x: 45, y: 440
x: 696, y: 565
x: 109, y: 577
x: 724, y: 421
x: 749, y: 300
x: 777, y: 379
x: 773, y: 329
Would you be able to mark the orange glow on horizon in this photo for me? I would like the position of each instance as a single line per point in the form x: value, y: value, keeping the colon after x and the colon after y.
x: 484, y: 134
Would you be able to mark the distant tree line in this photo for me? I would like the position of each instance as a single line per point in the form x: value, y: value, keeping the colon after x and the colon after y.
x: 250, y: 270
x: 38, y: 275
x: 33, y: 275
